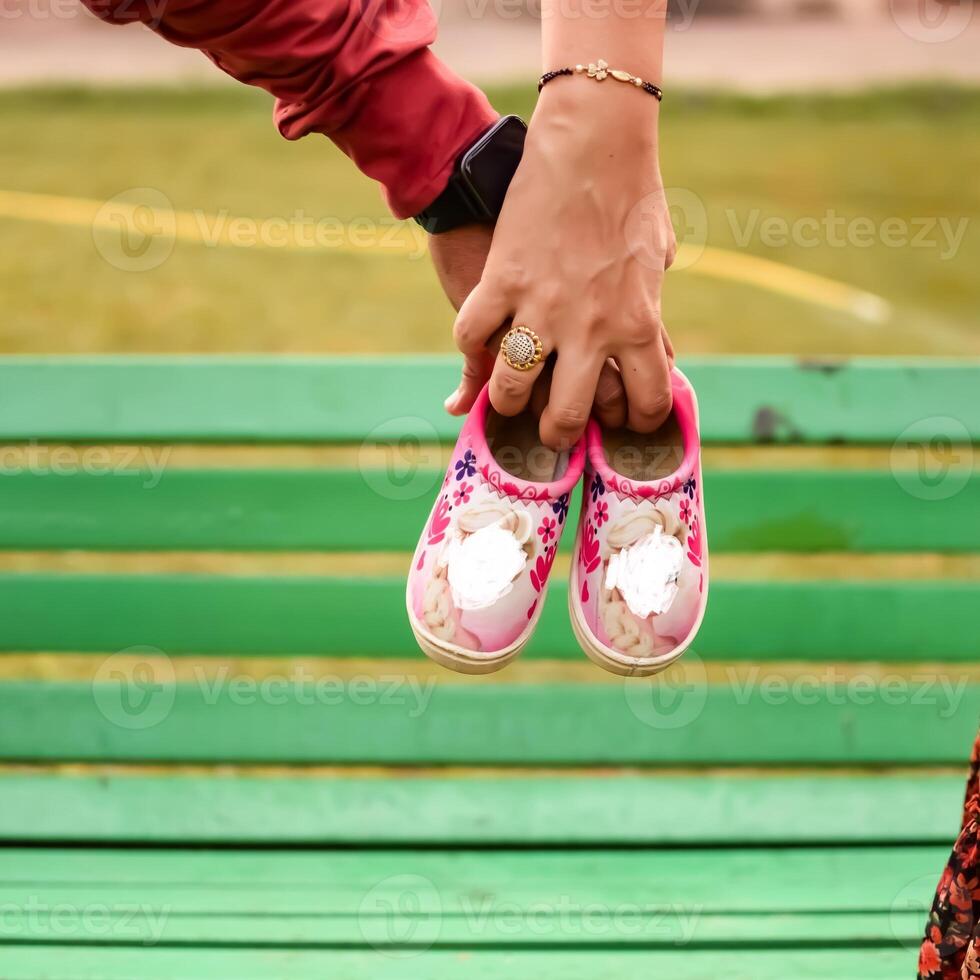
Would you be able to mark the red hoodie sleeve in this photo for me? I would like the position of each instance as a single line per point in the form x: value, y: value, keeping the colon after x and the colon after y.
x: 358, y: 71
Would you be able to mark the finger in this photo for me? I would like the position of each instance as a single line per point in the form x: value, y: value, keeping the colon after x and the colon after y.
x: 573, y: 387
x: 459, y: 256
x: 646, y: 376
x: 479, y: 317
x: 510, y: 387
x: 610, y: 397
x: 484, y: 310
x: 541, y: 391
x: 476, y: 373
x: 496, y: 339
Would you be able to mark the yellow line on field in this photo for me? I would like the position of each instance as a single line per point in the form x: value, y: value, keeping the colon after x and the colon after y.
x: 742, y: 267
x: 143, y: 222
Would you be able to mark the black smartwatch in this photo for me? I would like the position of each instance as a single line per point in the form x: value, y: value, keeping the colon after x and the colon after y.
x: 483, y: 172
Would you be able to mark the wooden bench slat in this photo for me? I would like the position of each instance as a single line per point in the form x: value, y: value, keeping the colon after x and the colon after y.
x: 596, y: 810
x: 461, y: 882
x: 749, y: 511
x: 275, y: 399
x: 478, y: 724
x: 592, y: 928
x: 328, y: 615
x: 86, y: 963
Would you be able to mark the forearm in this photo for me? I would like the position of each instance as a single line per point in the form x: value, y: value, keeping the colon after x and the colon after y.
x: 584, y: 238
x: 580, y: 31
x: 358, y: 71
x: 627, y: 36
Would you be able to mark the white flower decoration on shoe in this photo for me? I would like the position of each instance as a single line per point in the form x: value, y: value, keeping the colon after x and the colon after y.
x: 487, y: 553
x: 646, y: 573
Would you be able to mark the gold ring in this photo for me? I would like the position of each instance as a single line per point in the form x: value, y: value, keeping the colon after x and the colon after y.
x: 521, y: 348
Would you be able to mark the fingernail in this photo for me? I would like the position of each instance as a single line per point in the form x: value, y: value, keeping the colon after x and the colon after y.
x: 450, y: 403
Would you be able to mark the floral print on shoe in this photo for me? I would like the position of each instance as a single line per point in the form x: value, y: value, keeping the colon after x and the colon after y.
x: 639, y: 577
x: 480, y: 572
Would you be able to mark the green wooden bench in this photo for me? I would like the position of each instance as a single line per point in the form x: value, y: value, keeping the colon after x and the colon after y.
x: 236, y: 766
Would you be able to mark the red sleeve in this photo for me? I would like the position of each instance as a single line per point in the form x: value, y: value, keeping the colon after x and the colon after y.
x: 358, y: 71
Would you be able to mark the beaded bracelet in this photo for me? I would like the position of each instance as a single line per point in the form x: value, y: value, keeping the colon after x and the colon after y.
x: 600, y: 70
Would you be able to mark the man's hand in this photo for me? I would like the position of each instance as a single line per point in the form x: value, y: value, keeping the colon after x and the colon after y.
x: 459, y: 257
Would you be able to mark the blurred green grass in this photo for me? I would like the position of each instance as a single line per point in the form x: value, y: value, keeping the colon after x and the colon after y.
x: 910, y: 155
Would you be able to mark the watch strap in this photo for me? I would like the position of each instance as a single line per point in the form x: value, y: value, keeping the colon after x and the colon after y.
x: 451, y: 209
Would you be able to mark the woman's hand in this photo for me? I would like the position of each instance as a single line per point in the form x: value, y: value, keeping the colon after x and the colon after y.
x: 459, y: 257
x: 578, y: 255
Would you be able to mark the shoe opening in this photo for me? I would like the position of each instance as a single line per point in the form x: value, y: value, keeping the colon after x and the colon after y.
x: 642, y: 457
x: 518, y: 450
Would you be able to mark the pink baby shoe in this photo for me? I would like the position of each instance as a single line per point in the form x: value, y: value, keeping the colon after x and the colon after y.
x: 639, y: 579
x: 480, y: 572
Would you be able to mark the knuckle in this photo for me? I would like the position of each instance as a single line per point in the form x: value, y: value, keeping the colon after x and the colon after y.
x: 463, y: 333
x: 509, y: 385
x: 661, y: 402
x: 511, y: 277
x: 655, y: 408
x: 640, y: 327
x: 570, y: 418
x: 471, y: 370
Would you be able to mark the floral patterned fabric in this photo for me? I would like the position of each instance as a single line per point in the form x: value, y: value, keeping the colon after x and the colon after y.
x: 951, y: 948
x: 638, y: 613
x: 616, y: 514
x: 480, y: 572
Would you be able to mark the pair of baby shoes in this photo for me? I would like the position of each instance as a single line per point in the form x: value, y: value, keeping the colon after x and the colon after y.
x: 639, y: 576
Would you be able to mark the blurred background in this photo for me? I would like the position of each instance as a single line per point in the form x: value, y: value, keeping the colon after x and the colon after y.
x: 826, y: 152
x: 823, y: 165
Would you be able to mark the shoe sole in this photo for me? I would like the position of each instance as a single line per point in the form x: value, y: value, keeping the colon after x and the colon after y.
x: 596, y: 652
x: 459, y: 658
x: 455, y: 658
